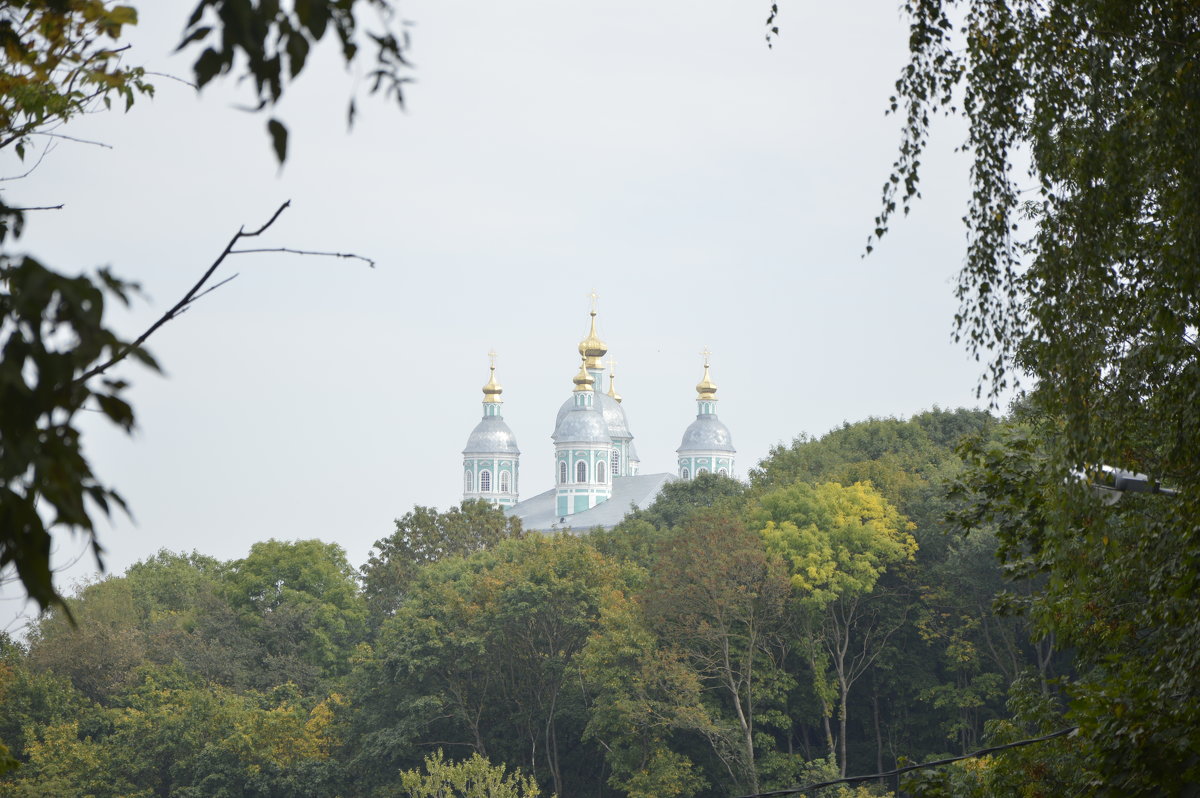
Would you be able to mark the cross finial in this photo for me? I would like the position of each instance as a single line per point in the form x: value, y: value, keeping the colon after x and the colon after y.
x: 612, y: 365
x: 492, y: 358
x: 593, y: 296
x: 706, y: 354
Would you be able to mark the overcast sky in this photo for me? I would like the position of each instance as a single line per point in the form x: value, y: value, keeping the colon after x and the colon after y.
x: 714, y: 192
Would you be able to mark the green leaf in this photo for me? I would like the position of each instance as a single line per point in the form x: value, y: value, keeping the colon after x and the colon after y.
x: 208, y: 66
x: 297, y: 49
x: 123, y: 15
x: 279, y: 137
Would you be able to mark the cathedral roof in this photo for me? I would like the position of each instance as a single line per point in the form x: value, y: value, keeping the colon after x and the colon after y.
x: 540, y: 512
x: 582, y: 425
x: 706, y: 434
x: 613, y: 412
x: 492, y: 436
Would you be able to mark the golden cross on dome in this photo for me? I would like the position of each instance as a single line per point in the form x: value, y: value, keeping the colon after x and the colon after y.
x: 593, y: 296
x: 492, y: 358
x: 706, y: 354
x: 612, y: 365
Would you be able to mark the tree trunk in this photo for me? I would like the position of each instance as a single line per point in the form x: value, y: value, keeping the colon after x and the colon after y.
x: 842, y: 730
x: 828, y: 731
x: 878, y: 734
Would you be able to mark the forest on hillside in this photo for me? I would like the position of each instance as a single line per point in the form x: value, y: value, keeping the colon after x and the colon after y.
x: 836, y: 615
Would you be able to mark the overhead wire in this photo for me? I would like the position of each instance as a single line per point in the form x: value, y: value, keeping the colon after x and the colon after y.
x: 907, y: 768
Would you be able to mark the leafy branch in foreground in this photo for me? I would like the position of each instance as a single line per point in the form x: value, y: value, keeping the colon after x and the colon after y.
x: 55, y: 351
x: 272, y: 41
x: 60, y: 60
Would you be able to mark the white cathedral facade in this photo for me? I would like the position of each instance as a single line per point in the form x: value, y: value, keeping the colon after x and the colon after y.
x: 597, y: 478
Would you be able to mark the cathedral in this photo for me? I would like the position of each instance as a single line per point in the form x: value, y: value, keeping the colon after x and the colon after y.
x: 595, y: 461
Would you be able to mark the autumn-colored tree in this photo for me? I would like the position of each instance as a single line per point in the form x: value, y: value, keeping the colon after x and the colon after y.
x: 472, y: 778
x: 837, y: 542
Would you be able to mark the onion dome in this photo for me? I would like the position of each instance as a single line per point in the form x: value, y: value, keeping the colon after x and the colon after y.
x: 706, y: 434
x: 492, y: 436
x: 492, y: 391
x: 583, y: 381
x: 608, y: 404
x: 706, y: 389
x: 614, y: 415
x: 612, y: 380
x: 582, y: 425
x: 592, y: 348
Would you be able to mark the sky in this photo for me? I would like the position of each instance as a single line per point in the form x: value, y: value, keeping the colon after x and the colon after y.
x: 714, y: 192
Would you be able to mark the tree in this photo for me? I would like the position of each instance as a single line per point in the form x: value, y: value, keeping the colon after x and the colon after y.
x: 301, y: 603
x: 63, y: 57
x: 681, y: 499
x: 1085, y: 278
x: 62, y: 61
x: 98, y: 647
x: 1112, y: 583
x: 837, y: 542
x: 484, y: 646
x: 424, y: 535
x: 717, y: 598
x: 642, y: 695
x: 471, y: 778
x: 905, y: 460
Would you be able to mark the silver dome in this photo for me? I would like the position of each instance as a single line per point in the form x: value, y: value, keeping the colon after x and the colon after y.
x: 581, y: 425
x: 492, y: 436
x: 611, y: 409
x: 707, y: 434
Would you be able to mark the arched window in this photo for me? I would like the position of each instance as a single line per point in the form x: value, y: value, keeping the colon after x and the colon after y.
x: 616, y: 462
x: 701, y: 470
x: 562, y: 472
x: 581, y: 471
x: 722, y: 472
x: 684, y: 473
x: 485, y: 481
x: 468, y: 482
x: 505, y: 482
x: 600, y: 471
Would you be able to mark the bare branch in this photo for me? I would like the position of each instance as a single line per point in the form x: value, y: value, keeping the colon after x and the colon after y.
x: 45, y: 151
x: 260, y: 230
x: 71, y: 138
x: 212, y: 288
x: 182, y: 305
x: 366, y: 260
x: 198, y: 290
x: 169, y: 76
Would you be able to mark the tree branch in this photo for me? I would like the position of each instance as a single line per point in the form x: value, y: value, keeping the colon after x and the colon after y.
x: 191, y: 296
x: 69, y: 138
x: 368, y: 261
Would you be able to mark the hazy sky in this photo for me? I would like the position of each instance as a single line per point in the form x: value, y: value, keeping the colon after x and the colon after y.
x: 713, y: 191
